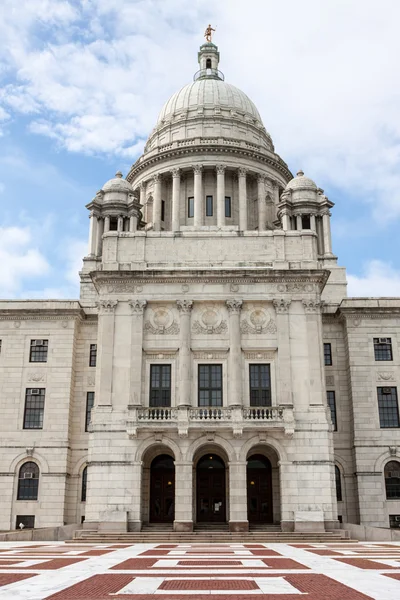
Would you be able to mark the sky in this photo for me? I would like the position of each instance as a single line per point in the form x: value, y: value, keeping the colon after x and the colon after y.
x: 82, y: 82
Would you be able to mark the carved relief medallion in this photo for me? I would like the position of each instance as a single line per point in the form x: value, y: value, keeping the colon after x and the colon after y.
x: 210, y: 321
x: 161, y: 322
x: 258, y: 320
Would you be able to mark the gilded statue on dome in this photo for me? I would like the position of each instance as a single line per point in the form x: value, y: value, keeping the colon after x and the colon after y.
x: 208, y: 33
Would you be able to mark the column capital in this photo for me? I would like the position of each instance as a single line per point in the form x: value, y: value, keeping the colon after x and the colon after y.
x: 312, y: 306
x: 142, y: 186
x: 197, y: 169
x: 260, y: 178
x: 176, y: 172
x: 107, y: 306
x: 184, y: 306
x: 281, y: 305
x: 234, y: 306
x: 157, y: 178
x: 242, y: 172
x: 220, y: 169
x: 137, y: 306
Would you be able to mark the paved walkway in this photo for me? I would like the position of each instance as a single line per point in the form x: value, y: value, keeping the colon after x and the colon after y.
x: 58, y: 571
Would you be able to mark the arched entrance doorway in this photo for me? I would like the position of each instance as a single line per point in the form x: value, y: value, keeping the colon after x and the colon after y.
x: 211, y: 489
x: 162, y: 489
x: 259, y: 489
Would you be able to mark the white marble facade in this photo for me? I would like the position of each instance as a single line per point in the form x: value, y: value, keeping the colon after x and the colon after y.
x: 208, y: 253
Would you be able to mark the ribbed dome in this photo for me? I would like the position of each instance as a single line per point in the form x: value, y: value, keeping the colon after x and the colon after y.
x: 208, y: 93
x: 117, y: 184
x: 301, y: 182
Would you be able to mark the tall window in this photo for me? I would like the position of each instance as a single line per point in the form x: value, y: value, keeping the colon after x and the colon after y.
x: 89, y: 406
x: 38, y: 351
x: 328, y: 355
x: 209, y: 206
x: 210, y: 385
x: 383, y: 348
x: 392, y: 480
x: 331, y: 397
x: 190, y: 207
x: 93, y: 355
x: 388, y: 407
x: 228, y: 206
x: 84, y: 485
x: 208, y: 63
x: 28, y: 481
x: 260, y: 385
x: 162, y: 210
x: 160, y: 385
x: 306, y: 222
x: 338, y: 480
x: 34, y: 408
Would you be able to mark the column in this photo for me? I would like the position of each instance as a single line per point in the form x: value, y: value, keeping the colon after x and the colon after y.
x: 262, y: 217
x: 136, y: 361
x: 120, y: 226
x: 326, y: 225
x: 284, y: 375
x: 176, y: 194
x: 185, y: 358
x: 238, y: 496
x: 105, y: 351
x: 92, y: 234
x: 285, y: 221
x: 220, y: 195
x: 198, y: 195
x: 275, y: 188
x: 142, y: 199
x: 299, y: 223
x: 235, y: 354
x: 133, y: 222
x: 100, y: 231
x: 242, y: 173
x: 313, y: 224
x: 183, y: 496
x: 157, y: 203
x: 106, y: 224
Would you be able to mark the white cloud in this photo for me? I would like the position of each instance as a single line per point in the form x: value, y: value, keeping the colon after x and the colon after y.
x: 20, y: 260
x: 378, y: 279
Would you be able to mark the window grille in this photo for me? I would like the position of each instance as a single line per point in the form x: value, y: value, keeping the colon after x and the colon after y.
x: 93, y: 355
x: 28, y: 481
x: 228, y: 206
x: 328, y: 355
x: 331, y: 398
x: 388, y: 407
x: 210, y: 385
x: 160, y: 385
x: 260, y: 385
x: 383, y: 349
x: 38, y: 350
x: 34, y: 408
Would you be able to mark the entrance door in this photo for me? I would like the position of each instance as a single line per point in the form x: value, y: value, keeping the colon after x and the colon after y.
x: 211, y: 490
x: 259, y: 489
x: 162, y: 490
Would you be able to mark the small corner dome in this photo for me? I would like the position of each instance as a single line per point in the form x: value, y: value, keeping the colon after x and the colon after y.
x: 301, y: 182
x: 118, y: 184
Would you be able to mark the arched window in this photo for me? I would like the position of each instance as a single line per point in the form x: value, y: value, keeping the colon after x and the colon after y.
x: 84, y: 485
x: 208, y: 63
x: 338, y: 484
x: 28, y: 481
x: 392, y: 480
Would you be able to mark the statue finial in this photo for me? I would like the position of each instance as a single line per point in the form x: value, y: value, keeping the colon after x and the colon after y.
x: 208, y: 33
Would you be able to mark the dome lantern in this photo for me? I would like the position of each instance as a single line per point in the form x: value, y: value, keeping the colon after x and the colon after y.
x: 208, y: 58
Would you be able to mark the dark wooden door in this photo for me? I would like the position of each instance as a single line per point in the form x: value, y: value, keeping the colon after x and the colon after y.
x: 259, y: 490
x: 162, y: 490
x: 211, y: 490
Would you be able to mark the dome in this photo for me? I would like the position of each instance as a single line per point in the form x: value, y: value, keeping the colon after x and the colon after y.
x: 118, y: 184
x: 301, y: 182
x: 209, y: 93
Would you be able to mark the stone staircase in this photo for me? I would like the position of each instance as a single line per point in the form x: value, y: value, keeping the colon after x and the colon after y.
x: 207, y: 534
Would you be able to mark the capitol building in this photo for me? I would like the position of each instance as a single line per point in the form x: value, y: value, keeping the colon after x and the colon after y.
x: 213, y: 371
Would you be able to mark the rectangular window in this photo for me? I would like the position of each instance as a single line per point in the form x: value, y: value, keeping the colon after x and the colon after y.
x: 93, y: 355
x: 34, y: 408
x: 388, y: 407
x: 383, y: 348
x: 260, y: 385
x: 113, y: 223
x: 328, y: 355
x: 160, y: 385
x: 162, y: 210
x: 38, y: 350
x: 394, y: 521
x: 28, y: 522
x: 209, y: 206
x: 89, y: 406
x: 228, y: 206
x: 210, y: 385
x: 331, y: 398
x: 0, y: 345
x: 306, y: 222
x: 190, y: 208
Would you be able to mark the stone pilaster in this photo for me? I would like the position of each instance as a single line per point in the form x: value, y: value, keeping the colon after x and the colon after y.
x: 176, y: 193
x: 198, y: 195
x: 157, y: 203
x: 235, y: 354
x: 185, y: 358
x: 312, y: 309
x: 238, y: 496
x: 221, y: 195
x: 183, y: 496
x: 299, y: 223
x: 281, y: 306
x: 136, y: 362
x: 100, y: 231
x: 92, y: 234
x: 105, y: 345
x: 242, y: 175
x: 326, y: 226
x: 262, y: 216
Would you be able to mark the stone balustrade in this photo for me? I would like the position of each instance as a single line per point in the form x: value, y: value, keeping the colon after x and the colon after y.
x: 236, y: 418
